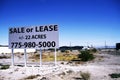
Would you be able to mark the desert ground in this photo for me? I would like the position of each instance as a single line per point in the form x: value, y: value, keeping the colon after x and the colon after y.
x: 104, y: 64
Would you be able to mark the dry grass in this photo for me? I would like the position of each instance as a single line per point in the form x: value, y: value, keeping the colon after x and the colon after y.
x: 66, y: 57
x: 50, y: 57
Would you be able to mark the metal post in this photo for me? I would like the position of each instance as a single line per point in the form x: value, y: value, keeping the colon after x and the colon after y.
x: 12, y: 57
x: 55, y: 57
x: 25, y: 57
x: 40, y: 57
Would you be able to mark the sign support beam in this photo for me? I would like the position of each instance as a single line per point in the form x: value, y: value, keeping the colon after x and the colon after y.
x: 25, y: 57
x: 40, y: 57
x: 12, y: 56
x: 55, y: 57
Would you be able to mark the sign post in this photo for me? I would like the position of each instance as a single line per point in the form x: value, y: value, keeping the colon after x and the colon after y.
x: 37, y: 37
x: 12, y: 57
x: 25, y: 57
x: 40, y: 57
x: 55, y: 57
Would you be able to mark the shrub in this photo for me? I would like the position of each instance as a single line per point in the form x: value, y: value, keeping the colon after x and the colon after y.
x: 115, y: 75
x: 5, y: 66
x: 62, y: 51
x: 66, y: 51
x: 2, y: 57
x: 94, y: 50
x: 69, y: 71
x: 86, y: 56
x: 63, y: 74
x: 62, y: 62
x: 85, y: 75
x: 31, y: 77
x: 43, y: 78
x: 51, y: 49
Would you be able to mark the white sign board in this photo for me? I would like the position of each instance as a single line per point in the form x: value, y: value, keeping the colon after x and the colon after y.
x: 39, y: 37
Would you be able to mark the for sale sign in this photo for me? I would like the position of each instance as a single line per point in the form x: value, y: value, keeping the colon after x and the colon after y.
x: 42, y: 37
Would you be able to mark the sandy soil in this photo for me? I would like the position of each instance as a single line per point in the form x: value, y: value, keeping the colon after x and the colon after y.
x: 99, y: 69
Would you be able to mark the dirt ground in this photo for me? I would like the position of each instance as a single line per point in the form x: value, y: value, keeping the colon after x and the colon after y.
x: 104, y: 64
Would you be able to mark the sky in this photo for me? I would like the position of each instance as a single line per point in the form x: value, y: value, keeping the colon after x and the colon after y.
x: 81, y: 22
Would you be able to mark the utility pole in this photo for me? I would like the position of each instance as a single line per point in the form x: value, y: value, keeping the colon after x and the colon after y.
x: 105, y: 45
x: 70, y: 47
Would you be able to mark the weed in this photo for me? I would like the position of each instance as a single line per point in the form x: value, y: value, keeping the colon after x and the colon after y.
x: 43, y: 78
x: 31, y: 77
x: 62, y: 62
x: 5, y: 66
x: 115, y: 75
x: 62, y: 74
x: 85, y: 75
x: 2, y: 57
x: 69, y: 71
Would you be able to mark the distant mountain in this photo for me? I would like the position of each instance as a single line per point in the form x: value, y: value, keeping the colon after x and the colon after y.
x: 70, y: 47
x: 106, y: 47
x: 3, y: 45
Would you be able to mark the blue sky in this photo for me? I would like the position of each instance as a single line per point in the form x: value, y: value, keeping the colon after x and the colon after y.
x: 81, y: 22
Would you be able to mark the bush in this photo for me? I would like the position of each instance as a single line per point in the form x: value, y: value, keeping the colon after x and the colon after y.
x: 69, y: 71
x: 51, y: 49
x: 43, y: 78
x: 5, y: 66
x: 31, y: 77
x: 62, y: 51
x: 115, y: 75
x: 85, y: 75
x: 2, y: 57
x: 85, y: 56
x: 94, y: 50
x: 66, y: 51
